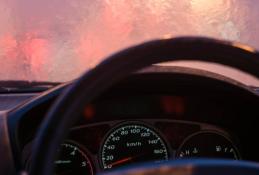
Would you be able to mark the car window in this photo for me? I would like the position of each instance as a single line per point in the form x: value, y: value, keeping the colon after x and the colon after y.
x: 56, y: 40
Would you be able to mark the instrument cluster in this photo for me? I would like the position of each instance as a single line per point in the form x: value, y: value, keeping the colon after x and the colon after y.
x: 103, y: 146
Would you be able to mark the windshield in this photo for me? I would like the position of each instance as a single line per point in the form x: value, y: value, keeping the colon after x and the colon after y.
x: 56, y: 40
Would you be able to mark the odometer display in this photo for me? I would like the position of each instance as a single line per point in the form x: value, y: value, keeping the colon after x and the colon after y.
x: 132, y: 143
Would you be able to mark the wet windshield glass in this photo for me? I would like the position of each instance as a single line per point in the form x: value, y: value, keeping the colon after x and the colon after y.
x: 56, y: 40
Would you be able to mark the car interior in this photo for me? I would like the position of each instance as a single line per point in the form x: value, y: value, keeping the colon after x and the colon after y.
x: 139, y: 118
x: 118, y: 87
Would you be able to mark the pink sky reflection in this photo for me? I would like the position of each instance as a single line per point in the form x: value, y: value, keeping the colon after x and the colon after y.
x: 56, y: 40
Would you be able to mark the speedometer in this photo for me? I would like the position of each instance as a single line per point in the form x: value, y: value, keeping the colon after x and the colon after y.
x: 132, y: 143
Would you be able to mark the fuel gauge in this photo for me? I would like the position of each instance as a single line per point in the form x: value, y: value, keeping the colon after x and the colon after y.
x: 208, y: 145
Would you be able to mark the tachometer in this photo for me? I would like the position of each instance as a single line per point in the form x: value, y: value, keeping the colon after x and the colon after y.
x: 208, y: 145
x: 72, y: 160
x: 132, y: 143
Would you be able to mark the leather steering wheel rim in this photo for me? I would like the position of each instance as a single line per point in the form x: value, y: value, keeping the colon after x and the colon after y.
x: 191, y: 167
x: 67, y: 108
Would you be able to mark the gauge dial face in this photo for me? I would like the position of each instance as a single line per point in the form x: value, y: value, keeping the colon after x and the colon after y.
x: 132, y: 143
x: 208, y: 145
x: 72, y: 160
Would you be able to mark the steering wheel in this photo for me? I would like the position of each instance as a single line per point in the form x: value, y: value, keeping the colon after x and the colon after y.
x: 68, y: 107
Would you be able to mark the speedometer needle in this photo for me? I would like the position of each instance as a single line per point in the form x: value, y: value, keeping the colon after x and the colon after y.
x: 121, y: 161
x: 127, y: 159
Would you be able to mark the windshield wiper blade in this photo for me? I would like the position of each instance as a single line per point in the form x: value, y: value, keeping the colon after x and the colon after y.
x: 25, y: 86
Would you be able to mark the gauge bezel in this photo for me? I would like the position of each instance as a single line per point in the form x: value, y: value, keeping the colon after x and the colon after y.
x: 83, y: 151
x: 239, y: 157
x: 127, y: 123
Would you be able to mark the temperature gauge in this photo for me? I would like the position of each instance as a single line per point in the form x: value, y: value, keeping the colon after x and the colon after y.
x: 208, y: 145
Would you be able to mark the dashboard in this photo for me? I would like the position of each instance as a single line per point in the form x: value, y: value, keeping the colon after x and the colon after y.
x: 151, y: 116
x: 109, y: 145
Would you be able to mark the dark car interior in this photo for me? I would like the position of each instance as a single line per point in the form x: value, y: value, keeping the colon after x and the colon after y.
x: 127, y: 116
